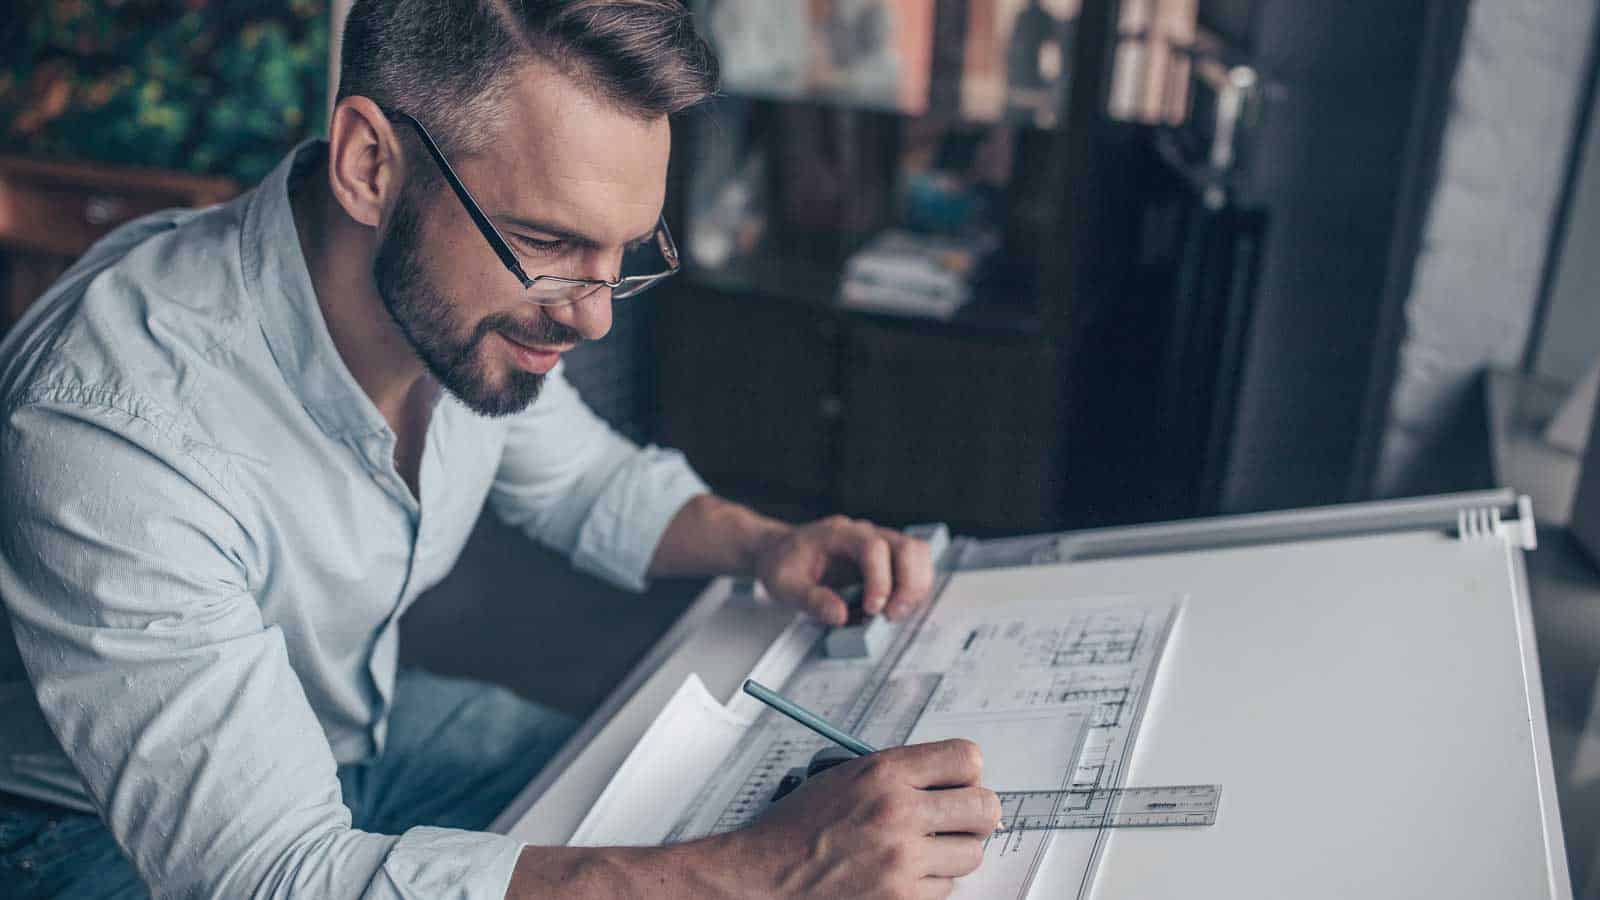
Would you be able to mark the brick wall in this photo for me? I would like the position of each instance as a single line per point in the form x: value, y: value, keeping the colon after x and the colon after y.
x: 1477, y: 276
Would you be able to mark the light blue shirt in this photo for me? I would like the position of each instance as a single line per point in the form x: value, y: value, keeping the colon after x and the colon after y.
x: 206, y: 548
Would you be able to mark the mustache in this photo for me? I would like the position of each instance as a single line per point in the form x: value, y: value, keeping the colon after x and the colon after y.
x: 542, y: 331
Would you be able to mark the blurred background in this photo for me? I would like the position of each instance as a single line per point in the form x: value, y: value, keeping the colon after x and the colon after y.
x: 1013, y: 265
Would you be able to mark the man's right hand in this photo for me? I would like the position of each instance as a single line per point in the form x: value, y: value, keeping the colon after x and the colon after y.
x: 901, y: 823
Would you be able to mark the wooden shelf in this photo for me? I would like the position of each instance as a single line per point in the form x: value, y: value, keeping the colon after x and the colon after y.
x: 50, y: 212
x: 774, y: 388
x: 1005, y: 305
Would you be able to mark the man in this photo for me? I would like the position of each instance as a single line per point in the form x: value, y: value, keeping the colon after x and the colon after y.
x: 237, y: 442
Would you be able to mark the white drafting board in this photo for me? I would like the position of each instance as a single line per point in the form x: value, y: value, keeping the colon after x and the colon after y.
x: 1375, y: 681
x: 1384, y: 682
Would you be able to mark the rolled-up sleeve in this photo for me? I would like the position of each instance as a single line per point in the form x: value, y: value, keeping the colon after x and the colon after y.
x: 571, y: 482
x: 128, y: 582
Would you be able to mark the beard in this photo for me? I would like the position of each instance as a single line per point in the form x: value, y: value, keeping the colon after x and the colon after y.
x: 450, y: 349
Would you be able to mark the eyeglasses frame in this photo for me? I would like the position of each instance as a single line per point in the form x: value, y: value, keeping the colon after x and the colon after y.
x: 636, y: 284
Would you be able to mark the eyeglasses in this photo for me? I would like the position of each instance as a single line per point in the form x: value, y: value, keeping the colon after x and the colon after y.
x: 557, y: 290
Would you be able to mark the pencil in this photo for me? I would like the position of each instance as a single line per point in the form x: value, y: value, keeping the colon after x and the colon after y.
x: 807, y: 718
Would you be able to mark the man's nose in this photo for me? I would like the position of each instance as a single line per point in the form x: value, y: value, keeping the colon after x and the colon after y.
x: 589, y: 316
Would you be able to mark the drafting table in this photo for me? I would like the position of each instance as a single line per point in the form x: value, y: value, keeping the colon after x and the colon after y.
x: 1374, y: 662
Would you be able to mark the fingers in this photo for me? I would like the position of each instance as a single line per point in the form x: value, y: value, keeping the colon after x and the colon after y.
x: 969, y: 810
x: 862, y: 542
x: 896, y: 570
x: 952, y: 855
x: 942, y: 764
x: 826, y: 605
x: 913, y: 573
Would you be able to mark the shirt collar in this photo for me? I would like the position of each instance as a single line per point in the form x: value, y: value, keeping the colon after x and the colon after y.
x: 275, y: 275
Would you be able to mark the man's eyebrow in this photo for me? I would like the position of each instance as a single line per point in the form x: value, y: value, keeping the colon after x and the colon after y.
x: 568, y: 234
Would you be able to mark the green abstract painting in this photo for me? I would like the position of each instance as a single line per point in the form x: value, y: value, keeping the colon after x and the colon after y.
x: 220, y: 87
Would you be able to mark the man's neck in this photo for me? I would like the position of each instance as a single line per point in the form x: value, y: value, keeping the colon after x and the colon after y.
x: 339, y: 254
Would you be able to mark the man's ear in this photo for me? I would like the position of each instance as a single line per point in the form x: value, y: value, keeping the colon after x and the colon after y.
x: 365, y: 164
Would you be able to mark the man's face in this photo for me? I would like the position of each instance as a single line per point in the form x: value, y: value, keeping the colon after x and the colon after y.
x: 570, y: 182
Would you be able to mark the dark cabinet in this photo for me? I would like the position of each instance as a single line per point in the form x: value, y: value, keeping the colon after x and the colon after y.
x: 748, y: 390
x: 784, y: 398
x: 803, y: 409
x: 938, y: 426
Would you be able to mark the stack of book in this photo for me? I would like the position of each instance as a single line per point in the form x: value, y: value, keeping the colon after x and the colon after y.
x: 911, y: 274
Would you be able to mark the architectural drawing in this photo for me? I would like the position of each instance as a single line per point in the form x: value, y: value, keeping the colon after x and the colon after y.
x: 1050, y: 687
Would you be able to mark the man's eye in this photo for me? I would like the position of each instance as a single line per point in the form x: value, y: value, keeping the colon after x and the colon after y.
x: 543, y: 247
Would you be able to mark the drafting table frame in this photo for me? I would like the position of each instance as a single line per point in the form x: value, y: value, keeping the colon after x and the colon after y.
x: 722, y: 640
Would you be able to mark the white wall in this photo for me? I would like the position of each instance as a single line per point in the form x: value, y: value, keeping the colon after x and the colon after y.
x: 1505, y: 149
x: 1569, y: 342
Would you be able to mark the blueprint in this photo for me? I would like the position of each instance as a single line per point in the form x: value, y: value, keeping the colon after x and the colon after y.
x: 1051, y: 688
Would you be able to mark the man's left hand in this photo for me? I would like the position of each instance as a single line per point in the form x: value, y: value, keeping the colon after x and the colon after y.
x: 806, y: 566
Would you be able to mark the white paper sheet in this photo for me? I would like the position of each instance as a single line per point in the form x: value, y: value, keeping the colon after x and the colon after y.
x: 1023, y: 750
x: 669, y: 765
x: 1024, y: 674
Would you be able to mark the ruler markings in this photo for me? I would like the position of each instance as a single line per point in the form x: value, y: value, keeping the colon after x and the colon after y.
x: 1129, y: 807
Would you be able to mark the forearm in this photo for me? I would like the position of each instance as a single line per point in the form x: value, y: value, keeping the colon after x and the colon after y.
x: 713, y: 536
x: 697, y: 870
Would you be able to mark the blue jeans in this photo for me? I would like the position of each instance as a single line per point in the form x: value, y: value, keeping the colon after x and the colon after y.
x: 458, y: 752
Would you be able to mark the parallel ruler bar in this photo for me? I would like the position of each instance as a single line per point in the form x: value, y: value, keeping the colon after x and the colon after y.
x: 1129, y: 807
